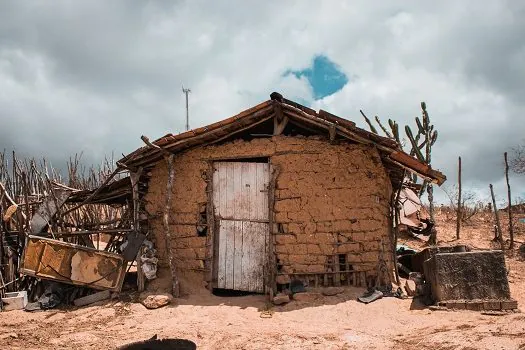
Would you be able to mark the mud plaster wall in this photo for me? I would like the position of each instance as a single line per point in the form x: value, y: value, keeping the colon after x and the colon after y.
x: 329, y: 200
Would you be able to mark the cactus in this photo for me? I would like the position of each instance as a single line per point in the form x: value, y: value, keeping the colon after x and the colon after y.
x: 372, y: 128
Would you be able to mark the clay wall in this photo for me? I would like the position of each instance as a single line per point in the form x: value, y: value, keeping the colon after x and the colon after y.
x: 330, y: 200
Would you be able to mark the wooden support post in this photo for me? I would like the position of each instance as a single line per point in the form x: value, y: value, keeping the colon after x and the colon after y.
x: 458, y: 211
x: 141, y: 278
x: 166, y: 216
x: 496, y: 215
x: 272, y: 262
x: 280, y: 120
x: 511, y: 225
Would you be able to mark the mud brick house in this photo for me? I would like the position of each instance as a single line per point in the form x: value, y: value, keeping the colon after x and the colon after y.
x: 278, y: 191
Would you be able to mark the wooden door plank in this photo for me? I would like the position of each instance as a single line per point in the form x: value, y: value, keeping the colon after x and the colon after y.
x: 221, y: 270
x: 238, y: 281
x: 229, y: 234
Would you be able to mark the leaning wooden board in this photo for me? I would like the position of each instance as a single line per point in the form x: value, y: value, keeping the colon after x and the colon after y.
x: 73, y: 264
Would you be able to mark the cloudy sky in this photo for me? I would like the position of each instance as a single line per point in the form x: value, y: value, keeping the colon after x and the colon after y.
x: 93, y: 76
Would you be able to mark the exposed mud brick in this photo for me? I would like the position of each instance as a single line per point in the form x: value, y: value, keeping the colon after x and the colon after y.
x: 201, y: 253
x: 324, y: 226
x: 354, y: 258
x: 313, y: 249
x: 369, y: 225
x: 355, y: 236
x: 183, y: 230
x: 285, y: 239
x: 183, y: 218
x: 297, y: 259
x: 314, y: 259
x: 328, y: 249
x: 375, y: 235
x: 285, y: 194
x: 296, y: 228
x: 310, y: 228
x: 187, y: 253
x: 281, y: 217
x: 370, y: 256
x: 468, y: 275
x: 281, y: 249
x: 306, y: 238
x: 288, y: 205
x: 371, y: 246
x: 325, y: 237
x: 300, y: 216
x: 342, y: 225
x: 349, y: 248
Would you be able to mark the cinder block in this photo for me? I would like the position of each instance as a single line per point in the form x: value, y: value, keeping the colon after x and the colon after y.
x: 509, y: 304
x: 474, y: 305
x: 491, y: 305
x: 15, y: 300
x: 456, y: 305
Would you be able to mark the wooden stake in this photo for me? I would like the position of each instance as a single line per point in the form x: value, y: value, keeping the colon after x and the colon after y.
x: 496, y: 215
x: 511, y: 228
x: 458, y: 214
x: 167, y: 211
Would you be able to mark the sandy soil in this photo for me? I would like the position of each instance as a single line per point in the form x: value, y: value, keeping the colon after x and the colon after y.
x: 338, y: 322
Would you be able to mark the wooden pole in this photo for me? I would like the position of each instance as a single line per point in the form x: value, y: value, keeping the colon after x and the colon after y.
x: 458, y: 214
x: 496, y: 215
x: 167, y: 211
x: 511, y: 228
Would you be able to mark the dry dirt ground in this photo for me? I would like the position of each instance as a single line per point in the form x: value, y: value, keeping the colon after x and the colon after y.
x: 338, y: 322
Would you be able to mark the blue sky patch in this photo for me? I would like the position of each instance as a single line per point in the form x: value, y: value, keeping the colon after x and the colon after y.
x: 325, y: 77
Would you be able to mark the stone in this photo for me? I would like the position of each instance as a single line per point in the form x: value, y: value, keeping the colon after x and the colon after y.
x: 155, y: 301
x: 92, y: 298
x: 410, y: 288
x: 306, y: 296
x: 283, y: 279
x: 281, y: 299
x: 331, y: 291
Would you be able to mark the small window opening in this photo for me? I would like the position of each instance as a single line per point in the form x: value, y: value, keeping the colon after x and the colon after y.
x: 202, y: 225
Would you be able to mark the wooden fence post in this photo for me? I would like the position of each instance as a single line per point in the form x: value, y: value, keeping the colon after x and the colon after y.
x: 496, y: 215
x: 511, y: 228
x: 458, y: 214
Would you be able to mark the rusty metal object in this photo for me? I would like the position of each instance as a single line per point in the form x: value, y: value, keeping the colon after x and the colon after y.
x: 72, y: 264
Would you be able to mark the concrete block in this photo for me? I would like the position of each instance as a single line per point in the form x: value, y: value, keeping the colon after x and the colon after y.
x: 509, y: 304
x: 468, y: 275
x: 15, y: 300
x: 491, y: 305
x: 92, y: 298
x: 474, y: 305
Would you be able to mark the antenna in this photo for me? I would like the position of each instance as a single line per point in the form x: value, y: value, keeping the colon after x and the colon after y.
x: 186, y: 92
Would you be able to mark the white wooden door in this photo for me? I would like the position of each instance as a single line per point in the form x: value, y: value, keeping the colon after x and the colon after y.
x: 240, y: 197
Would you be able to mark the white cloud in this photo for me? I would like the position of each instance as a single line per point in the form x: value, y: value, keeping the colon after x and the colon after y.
x: 94, y: 76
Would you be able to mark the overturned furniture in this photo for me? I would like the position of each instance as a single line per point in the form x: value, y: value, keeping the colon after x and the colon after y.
x: 472, y: 280
x: 60, y: 242
x: 70, y: 263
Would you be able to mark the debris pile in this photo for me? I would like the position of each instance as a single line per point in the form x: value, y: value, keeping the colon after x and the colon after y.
x: 62, y: 243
